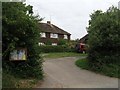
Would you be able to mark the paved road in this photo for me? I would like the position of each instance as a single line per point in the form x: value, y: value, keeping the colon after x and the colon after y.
x: 63, y: 73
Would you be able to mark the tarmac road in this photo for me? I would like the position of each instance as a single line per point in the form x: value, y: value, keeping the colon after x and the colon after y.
x: 63, y: 73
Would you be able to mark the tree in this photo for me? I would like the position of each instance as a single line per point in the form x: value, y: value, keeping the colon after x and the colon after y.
x: 20, y: 29
x: 104, y: 38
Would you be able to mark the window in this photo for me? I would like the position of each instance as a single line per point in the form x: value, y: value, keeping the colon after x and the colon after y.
x: 43, y: 35
x: 40, y: 43
x: 52, y: 35
x: 65, y: 37
x: 54, y: 44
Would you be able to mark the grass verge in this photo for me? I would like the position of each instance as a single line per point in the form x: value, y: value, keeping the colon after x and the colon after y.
x: 63, y: 54
x: 9, y: 81
x: 108, y: 70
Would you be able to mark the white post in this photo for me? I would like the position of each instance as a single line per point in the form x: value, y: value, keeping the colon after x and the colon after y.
x: 119, y: 5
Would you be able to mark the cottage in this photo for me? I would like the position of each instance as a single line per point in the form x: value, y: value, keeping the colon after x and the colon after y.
x: 84, y: 39
x: 52, y: 34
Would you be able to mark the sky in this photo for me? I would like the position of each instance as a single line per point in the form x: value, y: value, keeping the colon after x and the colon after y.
x: 70, y: 15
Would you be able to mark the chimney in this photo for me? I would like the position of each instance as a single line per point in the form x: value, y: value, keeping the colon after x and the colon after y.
x: 48, y: 22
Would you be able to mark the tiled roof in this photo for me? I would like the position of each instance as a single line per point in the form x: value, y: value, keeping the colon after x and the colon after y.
x: 84, y: 38
x: 46, y: 27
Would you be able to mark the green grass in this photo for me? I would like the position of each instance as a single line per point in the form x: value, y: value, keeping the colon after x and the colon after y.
x: 108, y: 70
x: 9, y: 81
x: 82, y: 63
x: 63, y: 54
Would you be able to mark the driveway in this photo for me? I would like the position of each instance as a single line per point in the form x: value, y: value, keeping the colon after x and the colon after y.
x: 63, y: 73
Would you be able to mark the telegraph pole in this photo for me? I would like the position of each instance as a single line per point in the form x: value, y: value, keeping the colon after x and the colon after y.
x: 119, y: 5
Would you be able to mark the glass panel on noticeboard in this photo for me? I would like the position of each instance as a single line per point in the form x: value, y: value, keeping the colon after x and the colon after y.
x: 18, y: 54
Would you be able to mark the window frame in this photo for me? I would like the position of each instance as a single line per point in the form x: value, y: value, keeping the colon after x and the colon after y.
x: 43, y: 35
x: 54, y: 44
x: 52, y: 35
x: 65, y: 36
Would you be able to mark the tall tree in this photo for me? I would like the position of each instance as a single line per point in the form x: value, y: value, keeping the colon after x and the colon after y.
x: 104, y: 38
x: 20, y: 29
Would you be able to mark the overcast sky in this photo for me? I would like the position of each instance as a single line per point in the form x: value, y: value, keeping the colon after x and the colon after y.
x: 70, y: 15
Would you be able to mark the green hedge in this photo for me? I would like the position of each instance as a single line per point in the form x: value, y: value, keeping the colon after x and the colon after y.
x: 59, y: 48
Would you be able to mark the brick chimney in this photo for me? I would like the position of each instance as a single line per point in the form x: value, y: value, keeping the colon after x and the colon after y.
x: 48, y: 22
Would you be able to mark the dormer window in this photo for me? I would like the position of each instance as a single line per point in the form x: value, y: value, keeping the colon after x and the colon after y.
x: 52, y: 35
x: 43, y: 35
x: 65, y: 37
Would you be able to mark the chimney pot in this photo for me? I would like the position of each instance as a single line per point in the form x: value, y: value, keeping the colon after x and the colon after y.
x: 48, y: 22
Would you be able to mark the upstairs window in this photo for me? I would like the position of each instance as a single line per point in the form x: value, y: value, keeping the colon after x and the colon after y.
x: 42, y: 35
x: 65, y: 37
x: 52, y: 35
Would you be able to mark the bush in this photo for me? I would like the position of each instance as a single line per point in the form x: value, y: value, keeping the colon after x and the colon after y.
x: 58, y: 48
x: 8, y: 77
x: 20, y: 30
x: 50, y: 48
x: 104, y: 38
x: 108, y: 70
x: 62, y: 42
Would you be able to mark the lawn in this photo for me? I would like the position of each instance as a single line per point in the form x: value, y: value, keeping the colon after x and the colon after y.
x: 108, y: 70
x: 63, y: 54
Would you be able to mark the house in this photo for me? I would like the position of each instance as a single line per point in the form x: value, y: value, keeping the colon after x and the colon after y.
x: 51, y: 34
x: 84, y: 39
x: 81, y: 46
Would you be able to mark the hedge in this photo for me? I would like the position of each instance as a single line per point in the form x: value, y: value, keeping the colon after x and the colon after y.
x: 59, y: 48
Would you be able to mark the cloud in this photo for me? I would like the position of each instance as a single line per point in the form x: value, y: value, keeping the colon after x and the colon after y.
x: 70, y: 15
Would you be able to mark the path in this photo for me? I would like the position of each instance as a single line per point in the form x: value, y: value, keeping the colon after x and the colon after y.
x: 63, y: 73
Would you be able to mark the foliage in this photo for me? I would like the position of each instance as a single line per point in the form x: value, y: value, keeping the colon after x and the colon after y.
x: 108, y: 69
x: 48, y: 42
x: 50, y: 48
x: 71, y: 44
x: 20, y: 30
x: 63, y: 46
x: 104, y: 38
x: 62, y: 42
x: 10, y: 81
x: 62, y: 54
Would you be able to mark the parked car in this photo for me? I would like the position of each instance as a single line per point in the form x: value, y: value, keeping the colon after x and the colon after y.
x: 80, y: 48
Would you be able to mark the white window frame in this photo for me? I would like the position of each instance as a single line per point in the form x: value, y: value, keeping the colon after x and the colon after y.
x: 53, y: 35
x: 42, y: 34
x: 65, y: 37
x: 40, y: 43
x: 54, y: 44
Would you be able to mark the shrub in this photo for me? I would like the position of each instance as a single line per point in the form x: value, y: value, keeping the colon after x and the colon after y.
x: 104, y: 38
x: 50, y: 48
x: 108, y: 70
x: 20, y: 29
x: 62, y: 42
x: 8, y: 77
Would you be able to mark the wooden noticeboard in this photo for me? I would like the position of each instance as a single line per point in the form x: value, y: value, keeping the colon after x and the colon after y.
x: 19, y: 54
